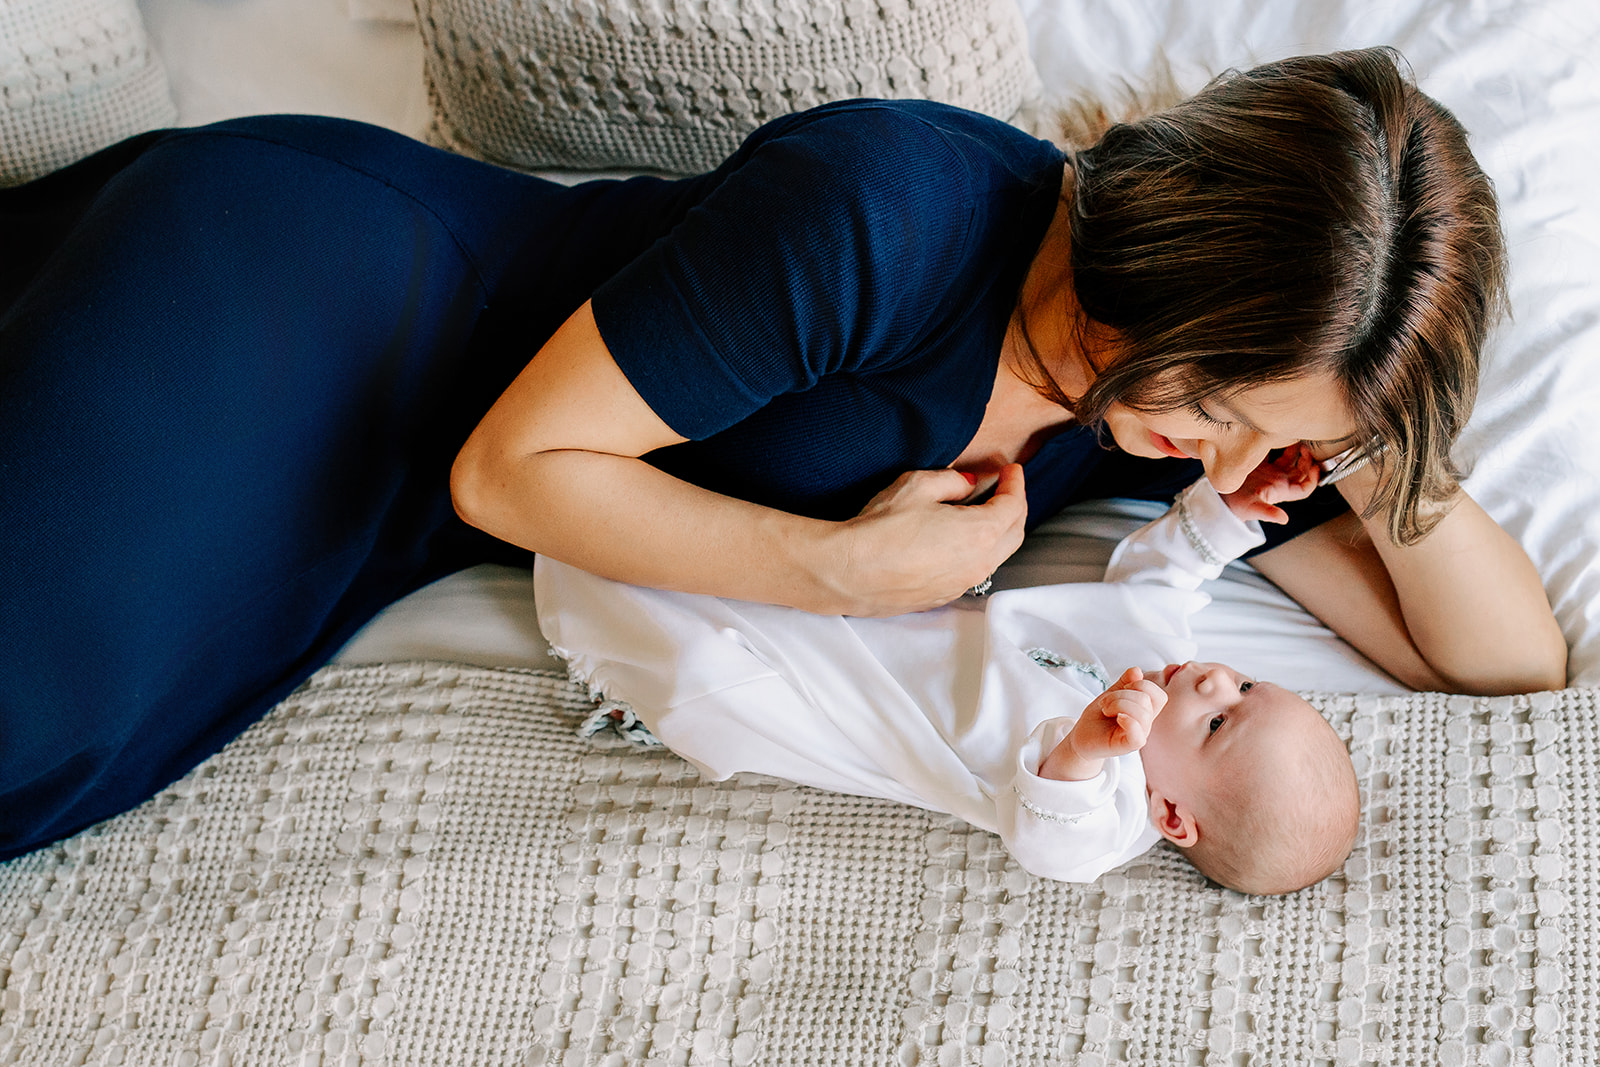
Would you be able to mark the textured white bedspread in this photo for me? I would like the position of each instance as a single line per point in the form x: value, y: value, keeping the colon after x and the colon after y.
x: 422, y: 865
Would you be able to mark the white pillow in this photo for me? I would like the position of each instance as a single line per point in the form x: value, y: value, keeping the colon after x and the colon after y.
x: 75, y: 76
x: 1523, y: 80
x: 659, y: 85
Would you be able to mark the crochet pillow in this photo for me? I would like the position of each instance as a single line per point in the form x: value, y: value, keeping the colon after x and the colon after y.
x: 675, y: 86
x: 75, y: 76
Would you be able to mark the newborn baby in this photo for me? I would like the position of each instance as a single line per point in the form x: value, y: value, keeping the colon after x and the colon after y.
x: 1002, y: 710
x: 1250, y: 763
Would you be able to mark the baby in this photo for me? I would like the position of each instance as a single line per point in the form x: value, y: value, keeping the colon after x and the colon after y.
x: 1002, y: 711
x: 1270, y: 809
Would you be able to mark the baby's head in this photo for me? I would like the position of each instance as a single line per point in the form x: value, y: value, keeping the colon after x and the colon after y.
x: 1249, y: 780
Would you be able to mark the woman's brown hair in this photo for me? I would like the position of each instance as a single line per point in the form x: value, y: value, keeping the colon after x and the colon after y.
x: 1319, y: 214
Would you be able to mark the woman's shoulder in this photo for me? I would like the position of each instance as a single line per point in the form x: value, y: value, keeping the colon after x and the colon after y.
x: 954, y: 181
x: 909, y: 138
x: 871, y: 111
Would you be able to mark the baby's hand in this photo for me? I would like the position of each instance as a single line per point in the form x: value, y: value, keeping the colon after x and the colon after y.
x: 1115, y: 723
x: 1292, y: 476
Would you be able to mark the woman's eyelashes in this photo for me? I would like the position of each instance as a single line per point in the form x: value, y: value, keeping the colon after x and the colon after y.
x: 1205, y: 416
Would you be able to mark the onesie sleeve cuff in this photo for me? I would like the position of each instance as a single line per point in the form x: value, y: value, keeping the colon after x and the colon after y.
x: 1073, y: 831
x: 1191, y: 543
x: 1055, y: 800
x: 1213, y: 531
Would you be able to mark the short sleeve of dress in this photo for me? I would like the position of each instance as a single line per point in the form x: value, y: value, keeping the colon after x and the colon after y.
x: 825, y: 245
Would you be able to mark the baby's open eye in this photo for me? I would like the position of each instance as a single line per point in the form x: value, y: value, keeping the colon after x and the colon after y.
x: 1245, y: 687
x: 1216, y: 723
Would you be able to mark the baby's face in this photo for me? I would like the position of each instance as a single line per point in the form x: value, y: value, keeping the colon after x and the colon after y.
x: 1217, y: 721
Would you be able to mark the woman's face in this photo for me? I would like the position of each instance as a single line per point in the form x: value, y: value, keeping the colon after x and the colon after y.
x: 1232, y: 435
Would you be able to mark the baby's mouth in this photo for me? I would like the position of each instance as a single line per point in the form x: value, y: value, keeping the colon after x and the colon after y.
x: 1168, y: 671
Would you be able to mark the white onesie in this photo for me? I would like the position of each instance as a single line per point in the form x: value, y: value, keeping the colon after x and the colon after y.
x: 951, y: 709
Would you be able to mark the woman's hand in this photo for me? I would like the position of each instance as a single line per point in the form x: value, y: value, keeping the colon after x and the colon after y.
x: 915, y: 546
x: 554, y: 467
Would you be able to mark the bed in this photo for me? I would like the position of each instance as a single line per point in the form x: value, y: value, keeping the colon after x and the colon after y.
x: 416, y: 860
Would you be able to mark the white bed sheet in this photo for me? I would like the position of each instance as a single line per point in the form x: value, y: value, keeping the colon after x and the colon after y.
x: 1521, y: 76
x: 226, y: 58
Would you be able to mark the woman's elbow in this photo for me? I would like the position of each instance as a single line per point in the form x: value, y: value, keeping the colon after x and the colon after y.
x: 472, y: 477
x: 490, y: 484
x: 1528, y: 670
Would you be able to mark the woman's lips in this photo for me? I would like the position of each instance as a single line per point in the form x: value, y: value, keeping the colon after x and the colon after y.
x: 1165, y: 445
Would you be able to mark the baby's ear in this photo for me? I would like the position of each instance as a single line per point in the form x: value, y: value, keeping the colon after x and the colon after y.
x: 1173, y: 820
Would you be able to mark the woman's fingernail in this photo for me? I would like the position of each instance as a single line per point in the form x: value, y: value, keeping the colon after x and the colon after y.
x: 972, y: 479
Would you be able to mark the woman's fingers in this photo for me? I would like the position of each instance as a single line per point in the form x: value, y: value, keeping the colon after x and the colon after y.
x: 914, y: 547
x: 1012, y: 488
x: 946, y: 486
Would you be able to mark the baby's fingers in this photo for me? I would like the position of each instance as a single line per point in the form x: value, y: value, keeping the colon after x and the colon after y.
x: 1154, y: 694
x: 1307, y: 471
x: 1129, y: 679
x: 1134, y: 731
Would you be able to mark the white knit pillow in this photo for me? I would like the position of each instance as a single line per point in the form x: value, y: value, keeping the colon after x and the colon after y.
x: 675, y: 85
x: 75, y: 76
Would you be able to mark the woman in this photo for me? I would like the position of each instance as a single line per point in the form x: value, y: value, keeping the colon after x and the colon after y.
x: 239, y: 362
x: 1306, y: 251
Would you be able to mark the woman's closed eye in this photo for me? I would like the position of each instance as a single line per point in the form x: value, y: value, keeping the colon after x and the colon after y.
x: 1205, y: 416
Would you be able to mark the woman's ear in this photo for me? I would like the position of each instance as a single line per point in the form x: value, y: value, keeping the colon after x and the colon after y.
x: 1174, y: 821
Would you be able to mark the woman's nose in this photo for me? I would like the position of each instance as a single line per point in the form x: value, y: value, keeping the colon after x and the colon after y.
x: 1228, y: 464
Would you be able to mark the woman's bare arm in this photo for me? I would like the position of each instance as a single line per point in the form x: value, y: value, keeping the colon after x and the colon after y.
x: 554, y: 467
x: 1463, y: 610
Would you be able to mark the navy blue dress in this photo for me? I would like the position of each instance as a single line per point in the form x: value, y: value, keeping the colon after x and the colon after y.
x: 237, y: 361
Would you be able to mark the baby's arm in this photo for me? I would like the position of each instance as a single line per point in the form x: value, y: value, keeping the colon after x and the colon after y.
x: 1291, y: 476
x: 1115, y: 723
x: 1076, y: 807
x: 1191, y: 543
